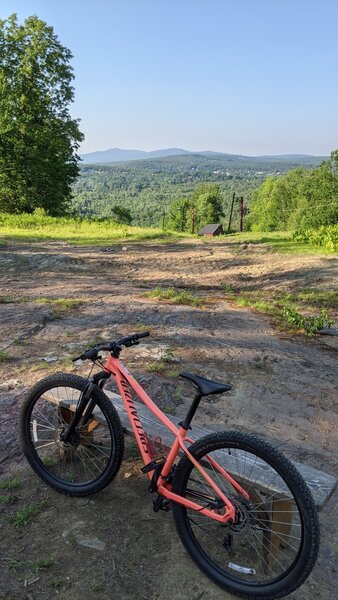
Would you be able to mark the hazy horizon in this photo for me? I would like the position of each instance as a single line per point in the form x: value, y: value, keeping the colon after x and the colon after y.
x: 196, y: 151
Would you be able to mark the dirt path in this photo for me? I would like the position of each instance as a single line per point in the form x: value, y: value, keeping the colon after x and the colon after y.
x: 283, y: 387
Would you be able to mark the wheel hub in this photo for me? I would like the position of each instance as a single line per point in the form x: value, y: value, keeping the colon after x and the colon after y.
x: 73, y: 442
x: 244, y: 512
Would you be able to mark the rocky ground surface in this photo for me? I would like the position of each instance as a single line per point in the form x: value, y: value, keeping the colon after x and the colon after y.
x: 284, y: 388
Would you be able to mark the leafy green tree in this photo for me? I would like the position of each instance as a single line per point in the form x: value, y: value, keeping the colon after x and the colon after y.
x: 207, y: 200
x: 38, y: 137
x: 121, y: 214
x: 178, y: 216
x: 299, y: 200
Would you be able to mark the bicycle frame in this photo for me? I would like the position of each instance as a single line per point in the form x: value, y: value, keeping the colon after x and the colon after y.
x: 124, y: 381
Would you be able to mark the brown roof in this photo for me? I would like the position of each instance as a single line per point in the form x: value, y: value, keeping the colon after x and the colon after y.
x: 212, y: 228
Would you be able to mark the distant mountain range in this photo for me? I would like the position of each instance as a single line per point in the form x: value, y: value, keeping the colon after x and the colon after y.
x: 113, y: 155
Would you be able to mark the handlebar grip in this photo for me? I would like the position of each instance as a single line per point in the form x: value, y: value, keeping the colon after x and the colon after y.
x: 144, y: 334
x: 90, y: 354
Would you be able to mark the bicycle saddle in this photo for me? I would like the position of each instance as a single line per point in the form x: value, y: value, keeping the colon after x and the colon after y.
x: 206, y: 386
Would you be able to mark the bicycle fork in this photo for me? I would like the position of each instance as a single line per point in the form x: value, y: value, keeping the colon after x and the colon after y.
x: 85, y: 407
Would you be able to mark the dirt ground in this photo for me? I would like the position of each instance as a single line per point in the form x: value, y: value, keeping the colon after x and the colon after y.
x: 284, y: 389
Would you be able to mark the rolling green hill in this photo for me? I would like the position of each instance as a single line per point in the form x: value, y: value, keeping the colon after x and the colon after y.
x: 146, y: 187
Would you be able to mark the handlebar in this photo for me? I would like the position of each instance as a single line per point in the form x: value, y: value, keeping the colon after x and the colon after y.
x: 114, y: 347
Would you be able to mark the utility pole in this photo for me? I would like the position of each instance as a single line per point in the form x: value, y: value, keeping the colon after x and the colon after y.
x: 231, y: 210
x: 241, y: 212
x: 192, y: 220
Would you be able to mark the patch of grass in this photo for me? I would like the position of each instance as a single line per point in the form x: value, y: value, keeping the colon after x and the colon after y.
x: 44, y: 563
x: 48, y: 461
x: 55, y: 583
x: 13, y: 299
x: 18, y: 341
x: 170, y: 410
x: 139, y: 327
x: 61, y: 364
x: 30, y: 227
x: 131, y: 448
x: 41, y: 366
x: 25, y: 515
x: 9, y: 484
x: 321, y: 298
x: 157, y: 366
x: 61, y: 305
x: 172, y: 373
x: 176, y: 297
x: 4, y: 356
x: 15, y: 565
x: 3, y: 499
x: 264, y: 306
x: 285, y: 307
x: 280, y: 241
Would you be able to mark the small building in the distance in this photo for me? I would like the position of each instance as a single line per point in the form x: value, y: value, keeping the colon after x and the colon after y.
x: 212, y: 230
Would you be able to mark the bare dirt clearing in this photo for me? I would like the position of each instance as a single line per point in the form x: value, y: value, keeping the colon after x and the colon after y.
x: 284, y: 388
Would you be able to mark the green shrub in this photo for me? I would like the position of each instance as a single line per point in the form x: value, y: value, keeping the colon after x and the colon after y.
x: 325, y: 237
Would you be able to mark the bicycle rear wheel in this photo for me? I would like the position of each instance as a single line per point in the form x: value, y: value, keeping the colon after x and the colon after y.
x: 272, y: 546
x: 92, y: 458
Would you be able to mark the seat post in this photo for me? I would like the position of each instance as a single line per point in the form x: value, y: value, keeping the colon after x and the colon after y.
x: 186, y: 422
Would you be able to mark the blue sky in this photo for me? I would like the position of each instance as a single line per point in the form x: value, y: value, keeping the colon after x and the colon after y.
x: 240, y: 76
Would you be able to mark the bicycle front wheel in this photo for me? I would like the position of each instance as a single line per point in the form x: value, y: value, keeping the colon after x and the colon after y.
x: 272, y: 546
x: 92, y: 458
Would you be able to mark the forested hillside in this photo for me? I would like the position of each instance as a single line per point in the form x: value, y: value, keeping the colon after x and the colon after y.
x: 303, y: 201
x: 140, y: 192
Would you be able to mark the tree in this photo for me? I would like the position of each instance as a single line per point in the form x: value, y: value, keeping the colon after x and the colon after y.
x: 38, y: 137
x: 178, y: 215
x: 299, y: 200
x: 207, y: 200
x: 121, y: 214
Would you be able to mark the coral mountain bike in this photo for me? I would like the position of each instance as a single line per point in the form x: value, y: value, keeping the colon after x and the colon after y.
x: 242, y: 510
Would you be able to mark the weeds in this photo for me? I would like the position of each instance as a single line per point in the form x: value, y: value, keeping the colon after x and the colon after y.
x: 3, y: 499
x: 9, y: 484
x: 284, y: 307
x: 13, y: 299
x: 4, y: 356
x: 61, y: 305
x: 140, y: 327
x: 25, y: 515
x: 44, y: 563
x: 310, y: 324
x: 156, y: 366
x: 170, y: 410
x: 55, y: 583
x: 15, y: 565
x: 132, y: 449
x: 176, y: 297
